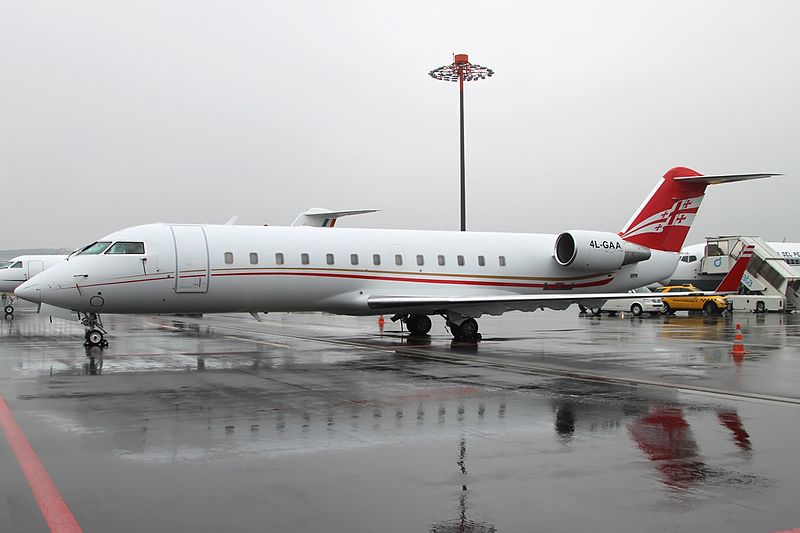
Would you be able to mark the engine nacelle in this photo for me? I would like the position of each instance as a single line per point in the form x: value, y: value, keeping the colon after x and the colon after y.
x: 597, y: 251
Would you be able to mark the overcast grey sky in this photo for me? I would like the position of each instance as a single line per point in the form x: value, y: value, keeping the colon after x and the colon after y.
x: 119, y: 113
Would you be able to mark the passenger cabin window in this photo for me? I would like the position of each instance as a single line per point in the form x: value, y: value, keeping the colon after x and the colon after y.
x: 329, y: 259
x: 353, y: 259
x: 398, y: 260
x: 121, y: 247
x: 376, y: 259
x: 502, y: 260
x: 440, y: 260
x: 420, y: 260
x: 304, y: 259
x: 481, y: 261
x: 228, y: 258
x: 17, y: 264
x: 279, y: 258
x: 253, y: 258
x: 460, y: 260
x: 95, y: 248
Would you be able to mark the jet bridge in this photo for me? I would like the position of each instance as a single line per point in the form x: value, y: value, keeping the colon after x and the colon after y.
x: 768, y: 273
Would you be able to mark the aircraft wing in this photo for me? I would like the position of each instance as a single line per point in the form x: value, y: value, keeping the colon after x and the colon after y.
x: 495, y: 305
x: 325, y: 218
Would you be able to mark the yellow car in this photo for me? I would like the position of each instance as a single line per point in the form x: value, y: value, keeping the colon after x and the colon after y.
x: 711, y: 305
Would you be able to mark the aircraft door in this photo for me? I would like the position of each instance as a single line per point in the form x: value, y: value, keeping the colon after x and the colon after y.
x: 191, y: 259
x: 34, y: 267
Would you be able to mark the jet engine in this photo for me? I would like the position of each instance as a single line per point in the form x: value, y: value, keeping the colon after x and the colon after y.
x: 597, y: 251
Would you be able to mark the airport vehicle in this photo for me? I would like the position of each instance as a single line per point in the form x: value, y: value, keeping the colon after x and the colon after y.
x: 184, y: 268
x: 773, y: 273
x: 757, y: 303
x: 18, y: 271
x: 690, y: 298
x: 642, y: 301
x: 711, y: 305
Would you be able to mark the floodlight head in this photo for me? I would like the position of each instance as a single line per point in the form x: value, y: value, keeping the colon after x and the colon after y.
x: 461, y: 70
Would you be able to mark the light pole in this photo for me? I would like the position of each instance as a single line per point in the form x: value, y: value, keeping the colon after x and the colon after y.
x: 461, y: 70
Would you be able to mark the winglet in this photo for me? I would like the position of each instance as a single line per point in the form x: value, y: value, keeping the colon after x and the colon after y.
x: 730, y: 283
x: 325, y: 218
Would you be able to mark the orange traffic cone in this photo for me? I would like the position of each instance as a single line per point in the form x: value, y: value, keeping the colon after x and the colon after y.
x: 738, y: 344
x: 381, y: 320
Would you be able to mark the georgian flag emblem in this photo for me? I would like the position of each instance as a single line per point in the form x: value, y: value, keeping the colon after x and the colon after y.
x: 681, y: 213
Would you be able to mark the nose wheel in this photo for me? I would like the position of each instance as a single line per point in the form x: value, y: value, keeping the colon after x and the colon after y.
x: 95, y: 334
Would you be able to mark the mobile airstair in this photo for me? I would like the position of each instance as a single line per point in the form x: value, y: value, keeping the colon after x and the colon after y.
x: 767, y: 275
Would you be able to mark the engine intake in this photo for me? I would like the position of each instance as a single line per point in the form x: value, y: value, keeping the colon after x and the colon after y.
x: 595, y: 251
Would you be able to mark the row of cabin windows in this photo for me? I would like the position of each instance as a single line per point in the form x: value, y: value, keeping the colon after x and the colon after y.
x: 376, y: 259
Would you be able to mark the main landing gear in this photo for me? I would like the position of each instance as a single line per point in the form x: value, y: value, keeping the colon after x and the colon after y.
x: 95, y: 334
x: 461, y: 327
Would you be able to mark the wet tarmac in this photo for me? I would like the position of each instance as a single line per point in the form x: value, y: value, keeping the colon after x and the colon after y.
x: 309, y: 422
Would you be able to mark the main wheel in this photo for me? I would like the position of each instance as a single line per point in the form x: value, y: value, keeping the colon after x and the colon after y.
x: 636, y: 310
x: 468, y: 329
x: 418, y: 324
x: 9, y: 309
x: 94, y: 337
x: 710, y: 308
x: 668, y: 310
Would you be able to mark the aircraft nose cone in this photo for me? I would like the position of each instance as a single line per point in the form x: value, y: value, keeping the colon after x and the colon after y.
x: 29, y: 291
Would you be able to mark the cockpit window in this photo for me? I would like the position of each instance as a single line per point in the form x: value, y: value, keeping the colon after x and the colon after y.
x: 95, y: 248
x: 122, y: 247
x: 16, y: 264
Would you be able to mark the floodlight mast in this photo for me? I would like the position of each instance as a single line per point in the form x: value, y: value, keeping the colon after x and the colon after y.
x: 462, y: 70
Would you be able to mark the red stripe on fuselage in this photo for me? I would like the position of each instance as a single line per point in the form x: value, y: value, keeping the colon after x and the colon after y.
x: 476, y: 283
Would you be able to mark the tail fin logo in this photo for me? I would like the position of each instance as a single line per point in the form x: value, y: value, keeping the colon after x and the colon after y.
x: 681, y: 213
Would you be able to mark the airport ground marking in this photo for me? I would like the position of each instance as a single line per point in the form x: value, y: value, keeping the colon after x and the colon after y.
x: 528, y: 367
x: 54, y: 509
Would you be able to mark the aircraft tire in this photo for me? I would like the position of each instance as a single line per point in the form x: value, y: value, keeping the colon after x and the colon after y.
x: 9, y: 309
x: 95, y: 337
x: 469, y: 329
x: 418, y: 324
x: 636, y: 310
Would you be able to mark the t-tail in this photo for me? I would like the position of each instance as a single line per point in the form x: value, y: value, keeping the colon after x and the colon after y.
x: 664, y: 219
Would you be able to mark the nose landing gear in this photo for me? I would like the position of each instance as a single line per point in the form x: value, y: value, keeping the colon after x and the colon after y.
x: 9, y: 308
x: 95, y: 334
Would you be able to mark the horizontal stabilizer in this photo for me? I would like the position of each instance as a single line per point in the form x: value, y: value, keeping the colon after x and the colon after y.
x: 724, y: 178
x: 318, y: 217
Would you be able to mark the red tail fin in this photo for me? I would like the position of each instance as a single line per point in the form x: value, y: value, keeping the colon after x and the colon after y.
x: 664, y: 219
x: 730, y: 283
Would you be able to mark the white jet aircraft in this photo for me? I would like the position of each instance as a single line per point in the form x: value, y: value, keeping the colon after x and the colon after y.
x: 185, y: 268
x: 19, y: 270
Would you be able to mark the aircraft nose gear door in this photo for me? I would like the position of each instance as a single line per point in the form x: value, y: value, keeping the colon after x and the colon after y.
x: 191, y: 259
